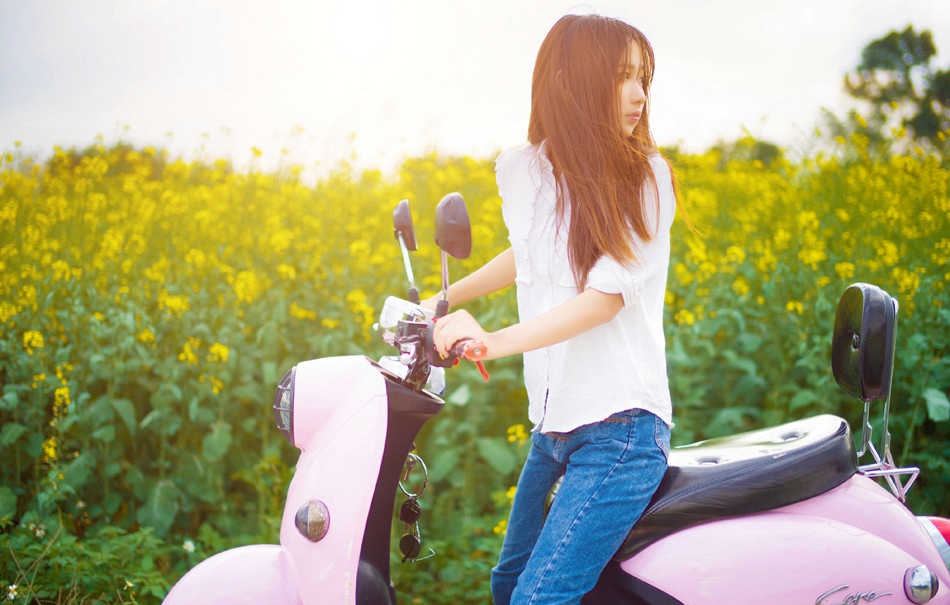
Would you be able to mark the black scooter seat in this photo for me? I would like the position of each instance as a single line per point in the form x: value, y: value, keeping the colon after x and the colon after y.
x: 746, y: 473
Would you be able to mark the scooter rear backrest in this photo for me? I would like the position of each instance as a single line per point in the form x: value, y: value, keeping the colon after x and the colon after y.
x: 862, y: 347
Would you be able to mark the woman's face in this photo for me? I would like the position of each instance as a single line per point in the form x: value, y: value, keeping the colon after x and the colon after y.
x: 632, y: 96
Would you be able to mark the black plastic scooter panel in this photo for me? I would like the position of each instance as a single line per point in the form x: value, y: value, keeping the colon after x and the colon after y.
x: 408, y: 412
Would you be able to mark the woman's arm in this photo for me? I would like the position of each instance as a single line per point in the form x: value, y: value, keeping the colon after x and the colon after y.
x: 496, y: 274
x: 587, y: 310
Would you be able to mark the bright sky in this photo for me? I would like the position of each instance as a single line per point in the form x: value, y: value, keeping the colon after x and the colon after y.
x: 384, y: 79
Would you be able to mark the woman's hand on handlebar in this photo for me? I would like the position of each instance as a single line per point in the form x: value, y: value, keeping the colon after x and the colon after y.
x: 458, y: 326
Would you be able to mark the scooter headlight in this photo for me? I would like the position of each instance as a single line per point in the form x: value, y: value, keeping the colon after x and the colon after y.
x: 284, y: 405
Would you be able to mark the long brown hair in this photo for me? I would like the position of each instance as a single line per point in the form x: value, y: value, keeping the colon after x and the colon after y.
x: 575, y: 110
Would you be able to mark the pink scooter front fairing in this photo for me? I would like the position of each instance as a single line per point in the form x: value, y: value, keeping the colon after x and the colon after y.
x: 339, y: 414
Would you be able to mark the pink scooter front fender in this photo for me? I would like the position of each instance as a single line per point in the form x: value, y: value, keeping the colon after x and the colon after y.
x: 249, y: 575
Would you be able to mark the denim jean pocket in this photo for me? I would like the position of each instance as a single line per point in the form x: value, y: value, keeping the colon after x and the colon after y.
x: 662, y: 437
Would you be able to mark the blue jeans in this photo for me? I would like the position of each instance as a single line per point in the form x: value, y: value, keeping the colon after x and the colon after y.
x: 611, y: 470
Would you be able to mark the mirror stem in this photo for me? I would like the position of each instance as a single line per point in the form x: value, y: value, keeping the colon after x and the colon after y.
x: 413, y: 291
x: 442, y: 307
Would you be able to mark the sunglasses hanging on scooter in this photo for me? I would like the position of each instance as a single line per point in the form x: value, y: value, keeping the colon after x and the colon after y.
x: 410, y: 545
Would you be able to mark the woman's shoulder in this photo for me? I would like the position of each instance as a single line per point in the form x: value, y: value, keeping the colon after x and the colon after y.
x: 522, y: 156
x: 660, y: 166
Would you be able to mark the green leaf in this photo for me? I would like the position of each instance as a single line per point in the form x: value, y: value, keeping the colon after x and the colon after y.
x: 750, y: 343
x: 11, y: 432
x: 497, y: 453
x: 740, y: 363
x: 79, y: 470
x: 444, y: 464
x: 217, y: 442
x: 165, y: 421
x: 10, y: 400
x: 7, y: 505
x: 106, y: 434
x: 199, y: 416
x: 160, y: 507
x: 802, y: 398
x: 126, y: 411
x: 938, y: 407
x: 461, y: 395
x: 269, y: 372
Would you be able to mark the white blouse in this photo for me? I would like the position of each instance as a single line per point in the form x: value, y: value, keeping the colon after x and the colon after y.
x: 613, y: 367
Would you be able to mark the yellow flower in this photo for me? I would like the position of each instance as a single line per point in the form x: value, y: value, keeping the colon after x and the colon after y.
x: 218, y: 353
x: 32, y: 340
x: 146, y: 336
x: 174, y: 303
x: 358, y: 305
x: 740, y: 286
x: 299, y: 312
x: 795, y: 306
x: 844, y: 269
x: 7, y: 311
x: 247, y: 286
x: 196, y: 258
x: 887, y: 253
x: 735, y: 254
x: 685, y: 316
x: 60, y: 401
x: 216, y: 384
x: 517, y: 434
x: 500, y: 528
x: 287, y: 272
x: 781, y: 239
x: 49, y: 450
x: 188, y: 351
x: 811, y: 257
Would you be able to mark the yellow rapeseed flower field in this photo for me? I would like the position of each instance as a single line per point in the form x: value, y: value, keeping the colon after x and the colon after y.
x: 149, y: 306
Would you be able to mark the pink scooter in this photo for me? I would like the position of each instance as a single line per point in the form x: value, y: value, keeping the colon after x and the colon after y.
x: 778, y: 516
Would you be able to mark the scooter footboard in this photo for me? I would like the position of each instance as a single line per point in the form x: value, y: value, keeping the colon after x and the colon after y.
x: 248, y: 575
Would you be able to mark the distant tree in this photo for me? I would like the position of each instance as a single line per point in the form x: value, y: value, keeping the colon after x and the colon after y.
x: 899, y: 80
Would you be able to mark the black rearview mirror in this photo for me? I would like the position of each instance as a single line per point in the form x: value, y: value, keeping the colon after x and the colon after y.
x: 406, y: 236
x: 453, y: 232
x: 402, y: 225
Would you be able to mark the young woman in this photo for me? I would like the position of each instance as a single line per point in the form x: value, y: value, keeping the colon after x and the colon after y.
x: 588, y: 204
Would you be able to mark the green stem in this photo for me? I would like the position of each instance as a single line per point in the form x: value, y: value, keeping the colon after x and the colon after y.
x: 911, y: 426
